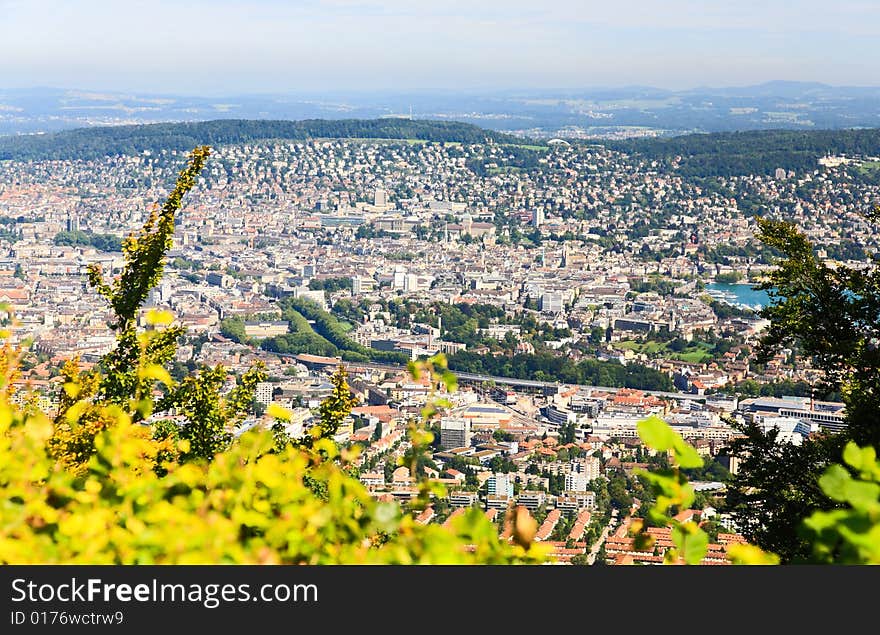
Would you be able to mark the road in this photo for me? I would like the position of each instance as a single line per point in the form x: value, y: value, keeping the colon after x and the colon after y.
x: 528, y: 383
x: 512, y: 381
x: 594, y: 550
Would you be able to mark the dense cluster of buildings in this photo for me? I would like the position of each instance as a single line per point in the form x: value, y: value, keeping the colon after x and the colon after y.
x: 602, y: 247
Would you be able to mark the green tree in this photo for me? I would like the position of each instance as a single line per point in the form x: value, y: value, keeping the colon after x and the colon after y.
x: 208, y: 418
x: 233, y: 328
x: 128, y: 375
x: 831, y: 315
x: 567, y: 433
x: 337, y: 406
x: 330, y: 284
x: 96, y: 485
x: 581, y: 559
x: 601, y: 556
x: 502, y: 435
x: 729, y: 278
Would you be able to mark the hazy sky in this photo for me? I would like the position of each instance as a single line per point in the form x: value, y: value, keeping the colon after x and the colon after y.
x: 228, y: 46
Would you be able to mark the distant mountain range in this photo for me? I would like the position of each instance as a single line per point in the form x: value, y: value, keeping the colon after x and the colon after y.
x: 611, y: 113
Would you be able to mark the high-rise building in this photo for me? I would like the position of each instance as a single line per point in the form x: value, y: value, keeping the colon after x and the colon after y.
x: 263, y: 393
x: 455, y: 433
x: 499, y: 485
x: 399, y: 280
x: 576, y: 482
x: 380, y: 197
x: 588, y: 466
x: 538, y: 217
x: 362, y: 284
x: 72, y: 221
x: 411, y: 282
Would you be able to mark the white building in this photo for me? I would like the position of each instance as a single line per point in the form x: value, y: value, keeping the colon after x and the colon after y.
x: 399, y: 280
x: 499, y: 485
x: 462, y: 499
x: 552, y: 302
x: 263, y: 393
x: 362, y: 284
x: 576, y: 482
x: 532, y: 500
x: 455, y: 433
x: 576, y: 501
x: 789, y: 429
x: 589, y: 466
x: 315, y: 295
x: 498, y: 502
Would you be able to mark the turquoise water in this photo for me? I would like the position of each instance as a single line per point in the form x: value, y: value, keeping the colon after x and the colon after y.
x: 740, y: 294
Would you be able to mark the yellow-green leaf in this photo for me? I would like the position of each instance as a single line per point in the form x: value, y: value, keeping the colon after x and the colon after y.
x: 834, y: 482
x: 685, y: 455
x: 157, y: 372
x: 656, y: 433
x: 742, y: 553
x: 156, y: 317
x: 277, y: 411
x: 72, y: 389
x: 691, y: 541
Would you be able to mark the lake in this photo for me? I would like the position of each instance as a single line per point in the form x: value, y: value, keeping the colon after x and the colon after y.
x: 742, y: 295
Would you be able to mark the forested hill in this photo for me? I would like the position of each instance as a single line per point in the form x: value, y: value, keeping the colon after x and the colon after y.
x: 90, y: 143
x: 753, y: 152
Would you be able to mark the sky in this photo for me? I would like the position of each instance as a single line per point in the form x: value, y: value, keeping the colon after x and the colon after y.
x: 276, y: 46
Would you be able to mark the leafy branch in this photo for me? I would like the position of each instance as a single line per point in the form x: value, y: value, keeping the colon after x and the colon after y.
x: 850, y: 535
x: 673, y: 493
x: 144, y: 254
x: 128, y: 375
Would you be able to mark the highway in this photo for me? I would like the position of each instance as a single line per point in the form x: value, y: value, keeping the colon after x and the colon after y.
x: 528, y: 383
x: 511, y: 381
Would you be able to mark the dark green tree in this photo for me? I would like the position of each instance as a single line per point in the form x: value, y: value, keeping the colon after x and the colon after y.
x: 233, y: 328
x: 832, y: 316
x: 567, y: 433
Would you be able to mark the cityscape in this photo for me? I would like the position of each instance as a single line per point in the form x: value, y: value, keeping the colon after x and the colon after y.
x: 507, y: 259
x: 571, y: 286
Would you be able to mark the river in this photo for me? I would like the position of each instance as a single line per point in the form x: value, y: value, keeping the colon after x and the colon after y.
x: 742, y: 294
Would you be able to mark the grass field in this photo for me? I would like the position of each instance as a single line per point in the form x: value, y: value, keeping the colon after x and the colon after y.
x: 524, y: 145
x: 694, y: 357
x: 694, y: 354
x: 648, y: 348
x: 867, y: 167
x: 501, y: 170
x: 412, y: 142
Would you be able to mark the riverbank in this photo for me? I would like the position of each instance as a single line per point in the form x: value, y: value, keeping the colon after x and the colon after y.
x: 741, y: 294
